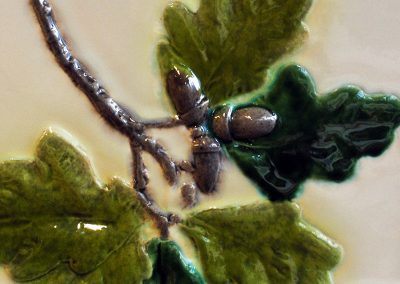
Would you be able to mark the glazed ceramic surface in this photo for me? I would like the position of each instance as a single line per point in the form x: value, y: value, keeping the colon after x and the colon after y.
x: 355, y: 41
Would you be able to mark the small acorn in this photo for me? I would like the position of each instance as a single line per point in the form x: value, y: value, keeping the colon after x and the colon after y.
x: 190, y: 196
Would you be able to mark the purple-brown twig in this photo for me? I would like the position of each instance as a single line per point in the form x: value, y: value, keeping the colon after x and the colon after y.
x: 114, y: 114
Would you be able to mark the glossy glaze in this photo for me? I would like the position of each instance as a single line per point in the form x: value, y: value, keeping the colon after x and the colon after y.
x: 170, y: 266
x: 318, y: 137
x: 242, y: 123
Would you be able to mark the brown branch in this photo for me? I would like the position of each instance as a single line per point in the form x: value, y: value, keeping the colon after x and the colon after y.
x: 113, y: 113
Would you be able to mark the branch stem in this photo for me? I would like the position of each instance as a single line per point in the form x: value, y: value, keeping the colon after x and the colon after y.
x: 118, y: 117
x: 113, y: 113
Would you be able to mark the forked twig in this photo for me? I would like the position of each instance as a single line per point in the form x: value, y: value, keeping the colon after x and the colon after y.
x: 113, y: 113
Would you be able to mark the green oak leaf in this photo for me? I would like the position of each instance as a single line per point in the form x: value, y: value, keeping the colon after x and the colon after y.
x: 58, y: 224
x: 319, y: 137
x: 262, y: 243
x: 170, y: 265
x: 231, y: 44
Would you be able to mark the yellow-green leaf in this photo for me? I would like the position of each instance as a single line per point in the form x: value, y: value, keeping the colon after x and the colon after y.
x: 261, y: 243
x: 58, y: 224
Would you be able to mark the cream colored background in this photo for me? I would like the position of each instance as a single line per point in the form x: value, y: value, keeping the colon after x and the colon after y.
x: 351, y: 41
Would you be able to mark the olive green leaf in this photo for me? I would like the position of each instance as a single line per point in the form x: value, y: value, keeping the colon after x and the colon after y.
x: 170, y: 265
x: 319, y: 137
x: 261, y: 243
x: 58, y: 224
x: 231, y: 44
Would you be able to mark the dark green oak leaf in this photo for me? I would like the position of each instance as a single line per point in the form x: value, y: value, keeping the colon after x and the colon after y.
x: 319, y: 137
x: 231, y: 44
x: 261, y: 243
x: 58, y: 224
x: 170, y: 265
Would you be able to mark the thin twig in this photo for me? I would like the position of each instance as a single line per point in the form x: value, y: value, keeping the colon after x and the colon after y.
x: 163, y: 219
x: 140, y: 181
x: 165, y: 123
x: 140, y: 178
x: 114, y: 114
